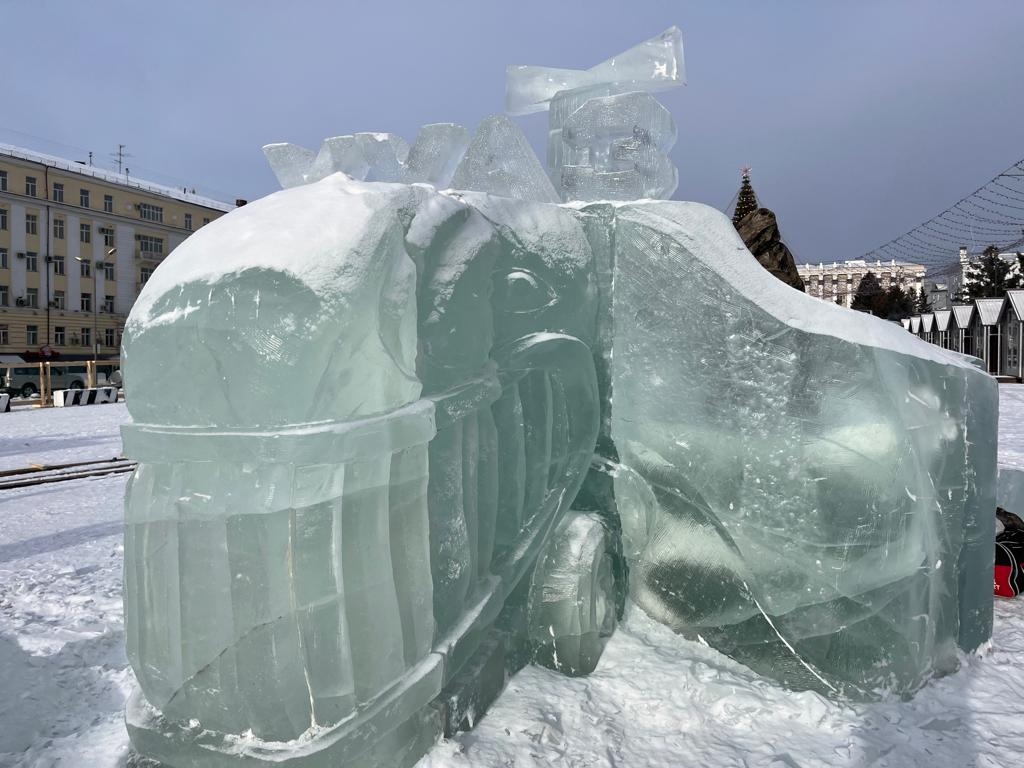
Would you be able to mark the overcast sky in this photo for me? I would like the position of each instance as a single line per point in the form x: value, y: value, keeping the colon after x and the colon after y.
x: 860, y: 118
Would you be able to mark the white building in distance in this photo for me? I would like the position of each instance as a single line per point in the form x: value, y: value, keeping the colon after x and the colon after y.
x: 838, y: 281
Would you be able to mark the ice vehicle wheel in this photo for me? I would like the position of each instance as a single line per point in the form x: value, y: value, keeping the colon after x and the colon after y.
x: 572, y: 603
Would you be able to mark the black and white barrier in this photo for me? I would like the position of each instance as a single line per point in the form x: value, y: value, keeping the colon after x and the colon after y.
x: 95, y: 396
x: 5, y: 403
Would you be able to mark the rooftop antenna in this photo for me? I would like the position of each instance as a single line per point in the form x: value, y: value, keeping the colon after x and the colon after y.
x: 120, y: 156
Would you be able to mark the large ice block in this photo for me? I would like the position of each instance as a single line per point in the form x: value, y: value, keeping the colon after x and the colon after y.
x: 653, y: 65
x: 608, y: 145
x: 806, y: 488
x: 608, y: 138
x: 432, y: 159
x: 500, y: 161
x: 398, y: 407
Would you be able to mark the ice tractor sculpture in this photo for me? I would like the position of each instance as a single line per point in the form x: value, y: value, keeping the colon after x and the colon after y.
x: 396, y: 442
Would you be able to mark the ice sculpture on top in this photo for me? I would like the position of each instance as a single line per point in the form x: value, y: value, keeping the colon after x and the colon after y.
x: 440, y: 434
x: 608, y: 138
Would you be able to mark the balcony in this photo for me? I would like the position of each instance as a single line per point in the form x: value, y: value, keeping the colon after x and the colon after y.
x: 146, y: 255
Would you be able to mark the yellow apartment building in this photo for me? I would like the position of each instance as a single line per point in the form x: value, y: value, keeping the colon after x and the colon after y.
x: 77, y: 243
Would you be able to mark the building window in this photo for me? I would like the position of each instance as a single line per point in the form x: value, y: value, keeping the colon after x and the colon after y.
x: 83, y: 198
x: 108, y: 304
x: 86, y: 304
x: 31, y: 224
x: 58, y: 229
x: 30, y: 186
x: 108, y: 271
x: 4, y: 296
x: 32, y: 298
x: 3, y: 332
x: 85, y: 233
x: 31, y: 261
x: 206, y: 220
x: 144, y: 274
x: 108, y: 236
x: 86, y: 337
x: 58, y: 193
x: 188, y: 221
x: 85, y: 268
x: 58, y: 300
x: 108, y: 203
x: 32, y: 335
x: 3, y: 259
x: 58, y: 335
x: 109, y: 337
x: 152, y: 246
x: 151, y: 212
x: 58, y: 265
x: 3, y: 218
x: 3, y: 181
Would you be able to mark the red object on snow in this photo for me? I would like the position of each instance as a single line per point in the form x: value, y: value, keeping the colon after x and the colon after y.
x: 1009, y: 571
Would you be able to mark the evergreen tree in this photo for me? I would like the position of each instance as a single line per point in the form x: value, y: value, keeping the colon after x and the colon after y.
x: 991, y: 276
x: 868, y: 295
x: 900, y: 303
x: 921, y: 304
x: 746, y: 201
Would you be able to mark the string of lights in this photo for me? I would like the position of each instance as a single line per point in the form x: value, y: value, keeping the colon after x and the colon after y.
x: 993, y: 214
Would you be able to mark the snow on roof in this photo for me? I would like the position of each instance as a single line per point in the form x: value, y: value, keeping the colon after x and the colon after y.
x: 989, y: 310
x: 926, y: 322
x: 915, y: 324
x: 942, y: 319
x: 962, y: 314
x: 1016, y: 299
x: 112, y: 177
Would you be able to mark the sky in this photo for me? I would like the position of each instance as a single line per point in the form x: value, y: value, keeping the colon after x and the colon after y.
x: 860, y: 119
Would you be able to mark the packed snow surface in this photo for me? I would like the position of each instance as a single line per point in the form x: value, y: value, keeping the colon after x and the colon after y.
x: 655, y: 699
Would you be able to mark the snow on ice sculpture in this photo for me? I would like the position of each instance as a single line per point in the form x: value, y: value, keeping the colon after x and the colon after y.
x: 381, y: 465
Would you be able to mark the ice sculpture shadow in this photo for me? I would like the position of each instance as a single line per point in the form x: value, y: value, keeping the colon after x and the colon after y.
x: 32, y: 685
x: 55, y: 541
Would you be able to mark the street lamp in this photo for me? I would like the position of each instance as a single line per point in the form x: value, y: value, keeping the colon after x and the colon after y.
x: 97, y: 266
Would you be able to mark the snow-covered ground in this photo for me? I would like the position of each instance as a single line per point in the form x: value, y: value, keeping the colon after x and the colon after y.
x: 656, y: 699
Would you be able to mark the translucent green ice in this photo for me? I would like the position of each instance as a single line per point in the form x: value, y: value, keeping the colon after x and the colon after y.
x: 804, y: 487
x: 394, y: 443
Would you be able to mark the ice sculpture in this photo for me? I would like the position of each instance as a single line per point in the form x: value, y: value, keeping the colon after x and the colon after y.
x: 608, y: 138
x: 394, y: 443
x: 799, y: 485
x: 374, y: 157
x: 653, y: 65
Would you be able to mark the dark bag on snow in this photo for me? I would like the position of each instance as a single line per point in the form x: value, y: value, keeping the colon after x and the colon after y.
x: 1010, y: 562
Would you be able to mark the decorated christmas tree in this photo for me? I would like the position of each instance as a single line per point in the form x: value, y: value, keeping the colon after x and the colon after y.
x: 760, y: 232
x: 746, y: 201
